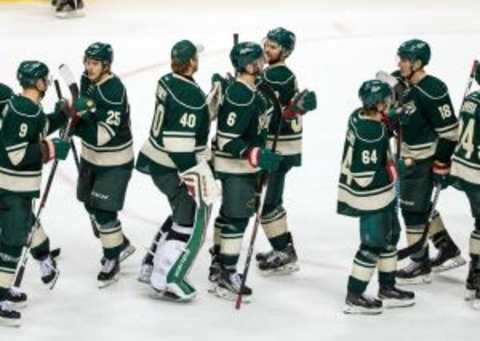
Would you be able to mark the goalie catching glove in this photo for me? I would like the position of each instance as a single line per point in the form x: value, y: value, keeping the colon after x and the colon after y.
x: 216, y: 95
x: 201, y: 184
x: 300, y: 104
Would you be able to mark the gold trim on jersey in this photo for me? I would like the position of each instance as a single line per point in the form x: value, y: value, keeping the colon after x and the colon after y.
x: 108, y: 156
x: 366, y: 200
x: 225, y: 163
x: 465, y: 170
x: 419, y: 151
x: 20, y: 181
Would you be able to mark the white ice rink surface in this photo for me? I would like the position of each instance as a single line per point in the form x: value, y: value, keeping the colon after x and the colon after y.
x: 339, y: 46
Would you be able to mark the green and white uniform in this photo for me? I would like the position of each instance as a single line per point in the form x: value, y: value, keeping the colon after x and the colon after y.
x: 106, y: 158
x: 177, y: 142
x: 274, y: 216
x: 366, y: 191
x: 465, y: 171
x: 23, y: 126
x: 429, y: 133
x: 243, y: 122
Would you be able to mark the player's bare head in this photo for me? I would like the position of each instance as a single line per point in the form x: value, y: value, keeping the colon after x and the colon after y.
x: 278, y: 45
x: 33, y: 74
x: 184, y: 57
x: 413, y: 55
x: 98, y: 60
x: 376, y: 96
x: 247, y: 57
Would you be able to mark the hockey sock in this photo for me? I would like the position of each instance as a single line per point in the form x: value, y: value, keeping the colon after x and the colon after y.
x: 387, y: 266
x: 276, y: 228
x: 220, y: 223
x: 40, y: 244
x: 363, y: 268
x: 231, y: 241
x: 9, y: 258
x: 110, y: 230
x: 415, y: 223
x: 475, y: 240
x: 438, y: 234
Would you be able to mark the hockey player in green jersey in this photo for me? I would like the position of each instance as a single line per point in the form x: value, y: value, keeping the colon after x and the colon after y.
x: 366, y: 190
x: 278, y: 45
x: 465, y: 176
x: 175, y: 156
x: 41, y: 246
x: 428, y: 133
x: 23, y: 150
x: 240, y: 155
x: 107, y: 154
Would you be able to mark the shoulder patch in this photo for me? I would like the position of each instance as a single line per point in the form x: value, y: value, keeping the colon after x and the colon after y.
x: 112, y: 91
x: 183, y: 91
x: 432, y: 87
x: 21, y: 107
x: 278, y: 75
x: 239, y: 94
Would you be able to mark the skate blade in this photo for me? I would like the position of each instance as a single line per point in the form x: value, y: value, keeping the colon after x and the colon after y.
x: 15, y: 323
x: 19, y: 305
x: 476, y: 304
x: 51, y: 284
x: 394, y: 304
x: 469, y: 294
x: 169, y: 296
x: 355, y: 310
x: 228, y: 295
x: 143, y: 280
x: 450, y: 264
x: 130, y: 250
x: 281, y: 271
x: 425, y: 279
x: 105, y: 284
x: 70, y: 15
x: 213, y: 286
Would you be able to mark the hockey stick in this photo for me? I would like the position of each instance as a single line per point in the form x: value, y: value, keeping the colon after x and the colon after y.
x: 236, y: 38
x: 261, y: 190
x: 74, y: 92
x: 418, y: 245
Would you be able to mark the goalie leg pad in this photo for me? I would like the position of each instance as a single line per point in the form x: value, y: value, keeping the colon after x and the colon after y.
x: 174, y: 259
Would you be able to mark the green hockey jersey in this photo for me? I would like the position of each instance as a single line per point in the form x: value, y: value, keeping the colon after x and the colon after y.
x: 431, y: 127
x: 180, y: 127
x: 242, y: 123
x: 364, y: 184
x: 284, y: 83
x: 106, y: 140
x: 23, y: 126
x: 465, y: 171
